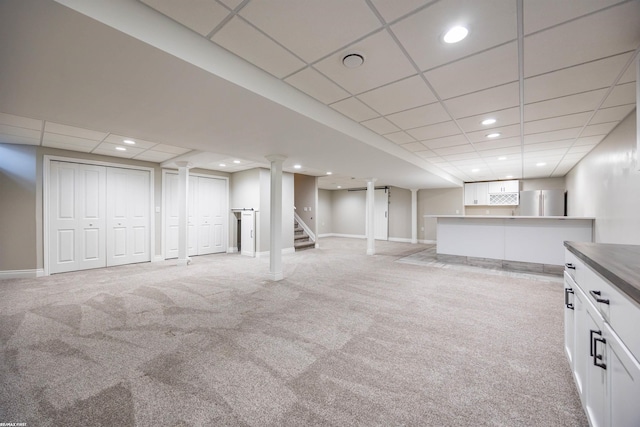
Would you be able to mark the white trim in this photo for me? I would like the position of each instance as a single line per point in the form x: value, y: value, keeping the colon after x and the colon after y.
x: 157, y: 258
x: 400, y: 239
x: 351, y: 236
x: 304, y: 226
x: 232, y: 250
x: 285, y: 251
x: 427, y: 242
x: 21, y: 274
x: 46, y: 169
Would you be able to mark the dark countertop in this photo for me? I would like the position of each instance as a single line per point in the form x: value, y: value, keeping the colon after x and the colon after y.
x: 619, y: 264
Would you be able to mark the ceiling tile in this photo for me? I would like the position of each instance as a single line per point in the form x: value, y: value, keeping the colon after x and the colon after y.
x: 505, y: 117
x: 91, y: 135
x: 413, y: 146
x: 621, y: 95
x: 20, y: 122
x: 476, y: 72
x: 421, y: 116
x: 606, y: 33
x: 508, y: 152
x: 447, y: 141
x: 354, y: 109
x: 557, y: 123
x: 202, y: 16
x: 581, y: 149
x: 404, y: 94
x: 379, y: 51
x: 541, y: 146
x: 438, y: 130
x: 497, y: 98
x: 589, y: 140
x: 630, y: 74
x: 170, y: 149
x: 497, y: 143
x: 462, y: 156
x: 399, y: 137
x: 490, y: 24
x: 599, y: 129
x: 140, y: 144
x: 446, y: 151
x: 427, y: 154
x: 109, y: 149
x: 250, y: 44
x: 392, y: 10
x: 50, y: 139
x: 20, y: 132
x: 557, y: 135
x: 506, y: 132
x: 154, y: 156
x: 381, y: 126
x: 537, y: 16
x: 581, y: 78
x: 612, y: 114
x: 316, y: 85
x: 312, y: 29
x: 586, y: 101
x: 231, y: 4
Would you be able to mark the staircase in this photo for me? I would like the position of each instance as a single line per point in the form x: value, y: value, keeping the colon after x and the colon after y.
x: 301, y: 239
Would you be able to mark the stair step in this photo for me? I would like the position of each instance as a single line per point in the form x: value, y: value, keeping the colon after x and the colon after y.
x: 300, y: 237
x: 304, y: 245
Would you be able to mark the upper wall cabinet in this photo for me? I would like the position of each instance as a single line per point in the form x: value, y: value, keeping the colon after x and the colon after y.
x: 496, y: 193
x: 476, y: 194
x: 512, y: 186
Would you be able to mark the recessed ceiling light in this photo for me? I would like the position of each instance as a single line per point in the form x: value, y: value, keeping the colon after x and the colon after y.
x: 455, y: 34
x: 352, y: 60
x: 339, y: 186
x: 502, y: 158
x: 509, y: 176
x: 237, y: 162
x: 329, y: 173
x: 121, y: 149
x: 541, y: 164
x: 494, y: 135
x: 297, y: 166
x: 222, y: 165
x: 475, y: 170
x: 487, y: 122
x: 129, y: 141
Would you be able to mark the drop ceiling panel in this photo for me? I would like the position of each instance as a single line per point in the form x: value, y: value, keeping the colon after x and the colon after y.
x: 503, y: 117
x: 446, y: 151
x: 413, y: 147
x: 621, y: 95
x: 447, y: 141
x: 421, y: 116
x: 580, y: 149
x: 316, y: 85
x: 557, y: 123
x: 462, y: 156
x: 402, y: 95
x: 202, y: 16
x: 312, y: 29
x: 439, y: 130
x: 589, y: 140
x: 557, y: 135
x: 154, y: 156
x: 140, y: 144
x: 163, y: 148
x: 476, y: 72
x: 508, y: 132
x: 599, y: 129
x: 490, y: 24
x: 484, y: 101
x: 379, y: 50
x: 497, y: 143
x: 354, y: 109
x: 541, y: 146
x: 613, y: 114
x: 109, y: 149
x: 51, y: 127
x: 537, y: 16
x: 20, y: 122
x: 508, y: 152
x: 381, y: 126
x: 250, y: 44
x: 231, y: 4
x: 586, y: 101
x: 392, y: 10
x: 67, y: 142
x: 399, y: 137
x: 581, y: 78
x: 19, y: 135
x: 608, y: 33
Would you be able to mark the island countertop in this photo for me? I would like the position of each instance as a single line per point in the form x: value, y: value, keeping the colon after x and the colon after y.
x: 619, y: 264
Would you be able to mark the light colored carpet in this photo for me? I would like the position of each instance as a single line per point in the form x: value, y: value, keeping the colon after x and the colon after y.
x: 346, y: 340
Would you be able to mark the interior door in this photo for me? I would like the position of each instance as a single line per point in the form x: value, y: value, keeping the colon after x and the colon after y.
x: 192, y: 214
x: 205, y: 214
x: 381, y: 219
x: 220, y: 215
x: 248, y: 234
x: 128, y: 204
x: 77, y: 217
x: 171, y: 208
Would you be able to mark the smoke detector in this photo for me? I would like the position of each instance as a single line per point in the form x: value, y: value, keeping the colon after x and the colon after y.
x: 352, y: 60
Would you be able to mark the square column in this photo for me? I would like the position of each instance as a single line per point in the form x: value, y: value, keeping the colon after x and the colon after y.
x: 183, y: 213
x: 275, y: 242
x: 414, y: 216
x: 371, y: 242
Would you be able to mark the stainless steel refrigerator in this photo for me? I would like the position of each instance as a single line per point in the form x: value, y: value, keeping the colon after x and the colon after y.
x: 542, y: 203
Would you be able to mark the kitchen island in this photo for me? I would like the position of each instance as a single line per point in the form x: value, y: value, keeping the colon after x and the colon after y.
x: 511, y: 241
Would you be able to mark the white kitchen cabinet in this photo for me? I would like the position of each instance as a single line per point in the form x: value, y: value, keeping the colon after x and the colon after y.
x: 476, y: 194
x: 511, y: 186
x: 605, y: 367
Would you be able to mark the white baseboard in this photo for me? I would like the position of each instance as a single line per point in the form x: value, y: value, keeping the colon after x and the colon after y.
x: 232, y: 250
x: 352, y: 236
x: 21, y: 274
x: 157, y: 258
x: 427, y: 242
x: 285, y: 251
x: 400, y: 239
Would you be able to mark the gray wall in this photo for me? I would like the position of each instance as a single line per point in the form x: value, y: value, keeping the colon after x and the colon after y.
x: 18, y: 218
x: 442, y: 201
x: 348, y: 212
x: 305, y: 195
x: 325, y: 215
x: 606, y: 185
x: 399, y: 213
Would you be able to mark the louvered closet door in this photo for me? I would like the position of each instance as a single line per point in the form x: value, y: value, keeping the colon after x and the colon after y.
x: 128, y: 223
x: 77, y: 217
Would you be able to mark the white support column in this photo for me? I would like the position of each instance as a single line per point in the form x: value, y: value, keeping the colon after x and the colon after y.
x: 414, y: 216
x: 183, y: 214
x: 371, y: 242
x: 275, y: 242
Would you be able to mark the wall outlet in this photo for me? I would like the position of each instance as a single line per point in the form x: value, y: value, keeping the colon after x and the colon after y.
x: 421, y: 228
x: 457, y: 211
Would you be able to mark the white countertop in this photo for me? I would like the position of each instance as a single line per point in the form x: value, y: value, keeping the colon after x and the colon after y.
x: 508, y: 217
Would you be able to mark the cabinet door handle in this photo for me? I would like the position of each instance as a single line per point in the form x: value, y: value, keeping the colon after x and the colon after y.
x: 567, y: 304
x: 592, y: 332
x: 596, y: 356
x: 570, y: 266
x: 596, y: 295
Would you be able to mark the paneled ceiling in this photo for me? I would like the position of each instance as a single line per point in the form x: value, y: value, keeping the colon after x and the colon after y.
x: 556, y: 75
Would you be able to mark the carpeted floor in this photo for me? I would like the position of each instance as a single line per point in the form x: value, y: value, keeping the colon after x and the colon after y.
x: 346, y: 340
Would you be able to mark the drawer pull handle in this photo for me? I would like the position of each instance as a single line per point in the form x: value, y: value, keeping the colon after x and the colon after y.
x: 596, y: 295
x: 592, y: 332
x: 570, y: 266
x: 567, y: 304
x: 596, y: 356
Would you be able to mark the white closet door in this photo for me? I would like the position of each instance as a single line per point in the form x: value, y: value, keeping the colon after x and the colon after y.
x: 128, y: 202
x: 192, y: 213
x: 248, y: 234
x: 220, y: 215
x: 171, y: 207
x: 77, y: 217
x: 381, y: 208
x: 205, y: 213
